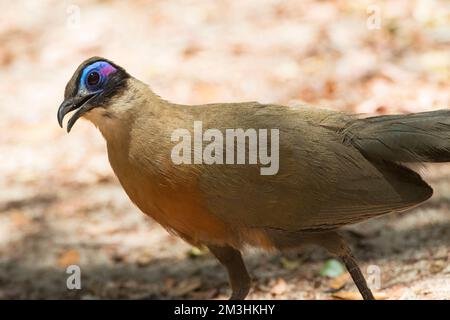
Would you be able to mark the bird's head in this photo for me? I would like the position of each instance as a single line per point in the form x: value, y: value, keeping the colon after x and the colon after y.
x: 93, y: 86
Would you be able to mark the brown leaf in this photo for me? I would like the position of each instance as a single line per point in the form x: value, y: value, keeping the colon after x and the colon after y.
x: 191, y: 51
x: 169, y: 283
x: 19, y: 219
x: 339, y: 282
x: 185, y: 286
x: 202, y: 295
x: 144, y: 259
x: 352, y: 295
x: 68, y: 258
x: 280, y: 287
x: 437, y: 266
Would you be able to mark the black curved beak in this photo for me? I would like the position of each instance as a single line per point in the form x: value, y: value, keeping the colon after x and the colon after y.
x: 73, y: 103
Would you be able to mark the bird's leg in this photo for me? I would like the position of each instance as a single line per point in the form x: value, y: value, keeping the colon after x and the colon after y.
x: 336, y: 245
x: 237, y: 272
x: 357, y: 276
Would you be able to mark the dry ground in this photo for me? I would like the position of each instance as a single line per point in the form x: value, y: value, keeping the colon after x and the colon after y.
x: 60, y: 203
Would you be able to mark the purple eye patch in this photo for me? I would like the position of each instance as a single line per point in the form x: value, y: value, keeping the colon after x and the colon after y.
x: 102, y: 67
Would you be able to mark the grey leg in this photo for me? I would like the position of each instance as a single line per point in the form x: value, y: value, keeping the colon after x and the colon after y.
x: 331, y: 241
x: 336, y: 245
x: 238, y: 276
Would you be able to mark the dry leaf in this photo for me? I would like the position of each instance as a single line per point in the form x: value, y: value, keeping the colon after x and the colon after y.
x: 446, y: 270
x: 437, y: 266
x: 202, y: 295
x: 352, y: 295
x: 191, y: 51
x: 68, y: 258
x: 185, y: 286
x: 279, y: 287
x: 144, y: 259
x: 19, y: 219
x: 169, y: 283
x: 339, y: 282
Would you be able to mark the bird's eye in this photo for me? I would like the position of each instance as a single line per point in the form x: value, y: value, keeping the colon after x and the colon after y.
x: 93, y: 78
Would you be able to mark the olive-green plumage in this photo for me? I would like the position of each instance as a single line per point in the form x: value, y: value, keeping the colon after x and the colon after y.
x: 334, y: 169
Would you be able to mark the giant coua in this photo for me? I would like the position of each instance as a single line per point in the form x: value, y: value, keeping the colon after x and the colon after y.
x: 333, y: 169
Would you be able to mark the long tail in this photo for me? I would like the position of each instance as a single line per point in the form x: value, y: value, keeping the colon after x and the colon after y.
x: 416, y: 137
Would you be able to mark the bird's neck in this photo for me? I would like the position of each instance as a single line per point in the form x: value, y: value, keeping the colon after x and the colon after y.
x: 116, y: 121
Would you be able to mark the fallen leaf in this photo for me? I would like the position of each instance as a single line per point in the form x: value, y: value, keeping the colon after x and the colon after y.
x: 144, y: 260
x: 185, y: 286
x: 279, y: 287
x: 437, y: 266
x: 202, y: 295
x: 351, y: 295
x: 446, y: 270
x: 169, y: 283
x: 191, y: 51
x: 339, y: 282
x: 68, y: 258
x: 19, y: 219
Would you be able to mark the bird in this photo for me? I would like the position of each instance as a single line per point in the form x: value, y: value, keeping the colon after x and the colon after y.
x: 334, y: 168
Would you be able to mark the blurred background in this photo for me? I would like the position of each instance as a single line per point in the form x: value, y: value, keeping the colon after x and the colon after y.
x: 60, y: 203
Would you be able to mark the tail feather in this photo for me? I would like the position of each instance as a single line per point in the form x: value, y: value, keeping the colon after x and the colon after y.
x: 417, y: 137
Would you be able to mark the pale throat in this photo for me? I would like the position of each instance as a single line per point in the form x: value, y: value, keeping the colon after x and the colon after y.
x: 110, y: 123
x: 115, y: 119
